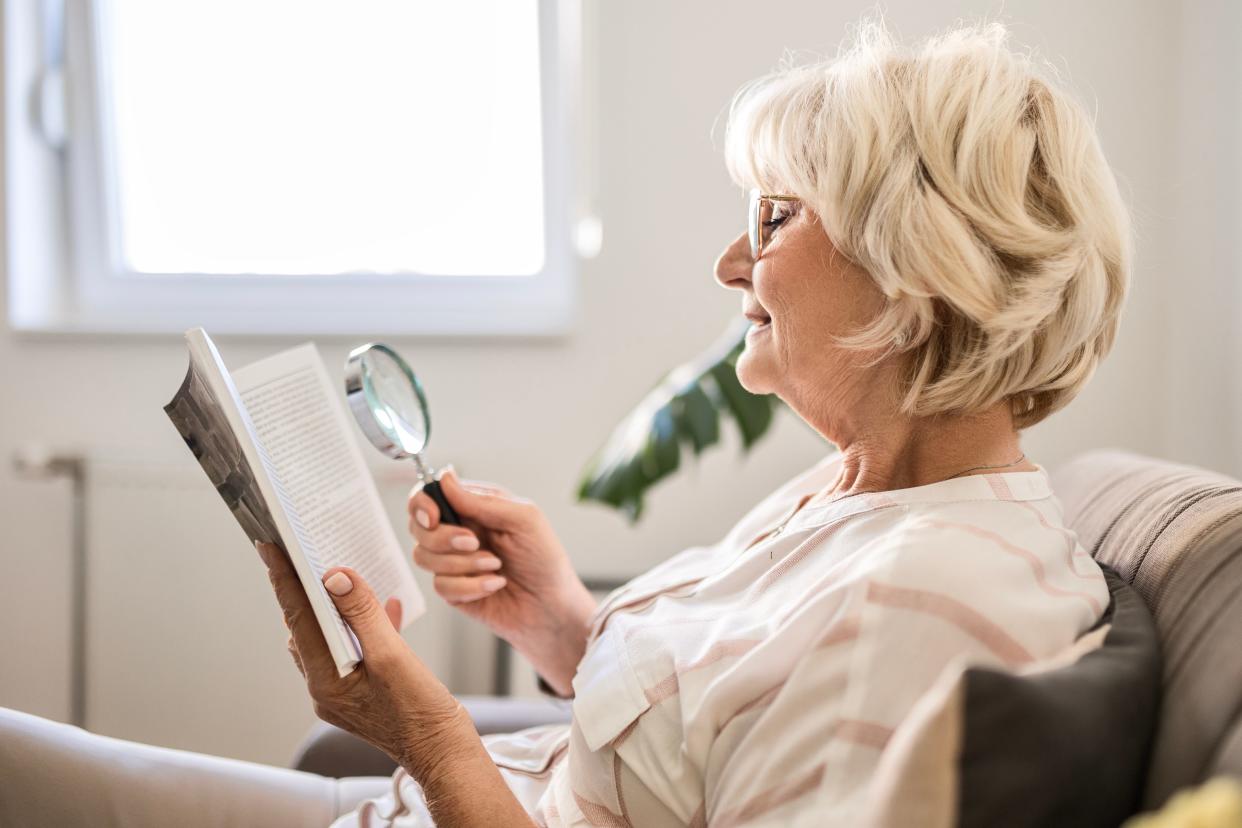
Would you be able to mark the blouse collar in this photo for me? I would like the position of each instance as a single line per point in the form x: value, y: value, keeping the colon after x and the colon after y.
x: 1011, y: 486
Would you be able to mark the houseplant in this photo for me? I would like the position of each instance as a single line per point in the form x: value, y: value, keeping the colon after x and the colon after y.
x: 683, y: 412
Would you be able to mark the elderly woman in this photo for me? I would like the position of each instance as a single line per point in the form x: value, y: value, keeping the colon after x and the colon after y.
x: 935, y: 259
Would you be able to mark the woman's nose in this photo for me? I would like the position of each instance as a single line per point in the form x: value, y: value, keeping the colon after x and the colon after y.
x: 734, y: 265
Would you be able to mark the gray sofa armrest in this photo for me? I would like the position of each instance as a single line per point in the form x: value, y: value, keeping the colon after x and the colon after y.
x: 330, y: 751
x: 505, y: 714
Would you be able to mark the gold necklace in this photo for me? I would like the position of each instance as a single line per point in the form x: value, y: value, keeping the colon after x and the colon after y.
x: 780, y: 527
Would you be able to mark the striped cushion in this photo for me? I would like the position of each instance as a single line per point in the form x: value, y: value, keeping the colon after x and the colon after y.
x: 1175, y: 533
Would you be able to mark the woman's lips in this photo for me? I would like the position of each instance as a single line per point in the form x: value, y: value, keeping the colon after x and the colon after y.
x: 759, y: 324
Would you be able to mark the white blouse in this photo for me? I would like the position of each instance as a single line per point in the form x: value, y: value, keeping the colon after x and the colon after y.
x: 758, y: 681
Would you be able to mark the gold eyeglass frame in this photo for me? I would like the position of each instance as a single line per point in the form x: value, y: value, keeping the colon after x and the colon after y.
x: 754, y: 227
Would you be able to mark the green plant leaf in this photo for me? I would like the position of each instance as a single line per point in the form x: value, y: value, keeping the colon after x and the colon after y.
x: 684, y: 409
x: 752, y: 414
x: 696, y: 418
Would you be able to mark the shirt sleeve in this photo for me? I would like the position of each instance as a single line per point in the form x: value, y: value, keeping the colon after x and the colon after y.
x: 548, y: 690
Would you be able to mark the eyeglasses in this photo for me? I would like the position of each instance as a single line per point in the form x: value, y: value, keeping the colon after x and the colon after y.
x: 766, y: 211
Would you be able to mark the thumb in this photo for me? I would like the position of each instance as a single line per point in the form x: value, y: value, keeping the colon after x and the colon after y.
x: 361, y: 610
x: 491, y: 509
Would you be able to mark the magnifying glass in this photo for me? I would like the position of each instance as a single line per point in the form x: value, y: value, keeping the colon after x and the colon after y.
x: 387, y: 400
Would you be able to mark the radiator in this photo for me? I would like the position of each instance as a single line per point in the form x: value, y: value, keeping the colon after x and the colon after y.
x: 185, y: 646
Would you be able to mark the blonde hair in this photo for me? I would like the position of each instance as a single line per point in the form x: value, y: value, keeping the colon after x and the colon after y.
x: 972, y: 190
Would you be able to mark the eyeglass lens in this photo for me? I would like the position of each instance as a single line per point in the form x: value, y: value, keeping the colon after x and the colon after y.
x: 755, y: 223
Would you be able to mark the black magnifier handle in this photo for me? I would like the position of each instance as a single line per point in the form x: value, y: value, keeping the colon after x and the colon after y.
x: 447, y: 515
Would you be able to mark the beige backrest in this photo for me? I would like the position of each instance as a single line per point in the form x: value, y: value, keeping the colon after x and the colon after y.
x: 1175, y: 533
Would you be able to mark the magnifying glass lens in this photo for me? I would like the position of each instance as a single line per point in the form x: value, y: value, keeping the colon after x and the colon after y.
x: 393, y: 401
x: 387, y: 401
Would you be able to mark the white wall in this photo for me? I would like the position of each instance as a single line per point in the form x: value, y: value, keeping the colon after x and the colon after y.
x: 1203, y: 401
x: 166, y: 559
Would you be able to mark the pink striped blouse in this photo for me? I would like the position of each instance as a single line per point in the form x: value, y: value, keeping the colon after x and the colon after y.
x: 758, y: 681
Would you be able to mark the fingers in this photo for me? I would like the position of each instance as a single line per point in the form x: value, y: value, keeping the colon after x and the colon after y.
x: 312, y: 651
x: 393, y: 608
x: 489, y: 506
x: 459, y: 589
x: 482, y: 504
x: 361, y: 610
x: 424, y: 512
x: 480, y: 487
x: 439, y: 537
x: 455, y: 563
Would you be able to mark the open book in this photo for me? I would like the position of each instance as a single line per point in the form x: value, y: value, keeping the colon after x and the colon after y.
x: 276, y: 443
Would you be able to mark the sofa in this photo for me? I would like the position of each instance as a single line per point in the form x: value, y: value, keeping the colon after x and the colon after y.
x: 1173, y: 532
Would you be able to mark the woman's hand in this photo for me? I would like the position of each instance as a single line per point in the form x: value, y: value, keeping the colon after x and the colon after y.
x: 506, y: 567
x: 392, y: 700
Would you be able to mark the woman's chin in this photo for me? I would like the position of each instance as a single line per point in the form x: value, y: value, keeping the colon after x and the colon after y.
x: 754, y: 371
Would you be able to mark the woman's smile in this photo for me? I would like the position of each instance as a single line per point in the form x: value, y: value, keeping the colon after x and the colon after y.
x: 760, y: 320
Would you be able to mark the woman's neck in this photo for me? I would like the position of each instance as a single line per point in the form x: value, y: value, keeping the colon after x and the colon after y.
x: 902, y: 452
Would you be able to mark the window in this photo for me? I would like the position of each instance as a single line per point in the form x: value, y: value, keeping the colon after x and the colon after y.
x: 278, y: 166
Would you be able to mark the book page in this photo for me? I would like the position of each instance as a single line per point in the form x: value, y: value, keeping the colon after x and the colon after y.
x: 304, y: 434
x: 294, y: 506
x: 223, y: 411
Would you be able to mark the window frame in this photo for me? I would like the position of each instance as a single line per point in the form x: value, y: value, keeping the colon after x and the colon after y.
x: 91, y: 291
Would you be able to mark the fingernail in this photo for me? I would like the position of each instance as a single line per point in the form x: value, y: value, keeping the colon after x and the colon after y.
x: 488, y: 564
x: 465, y: 543
x: 424, y: 520
x: 338, y: 583
x: 492, y: 584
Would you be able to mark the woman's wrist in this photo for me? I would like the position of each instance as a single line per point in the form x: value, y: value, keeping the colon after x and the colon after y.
x: 436, y: 740
x: 460, y: 782
x: 557, y: 648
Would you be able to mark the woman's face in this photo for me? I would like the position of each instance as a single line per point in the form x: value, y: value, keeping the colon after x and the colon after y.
x: 800, y: 294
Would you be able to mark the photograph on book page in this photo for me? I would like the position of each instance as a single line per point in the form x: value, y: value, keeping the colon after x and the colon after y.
x: 201, y: 422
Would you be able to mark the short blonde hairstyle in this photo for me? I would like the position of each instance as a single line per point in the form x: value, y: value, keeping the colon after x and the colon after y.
x: 972, y: 190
